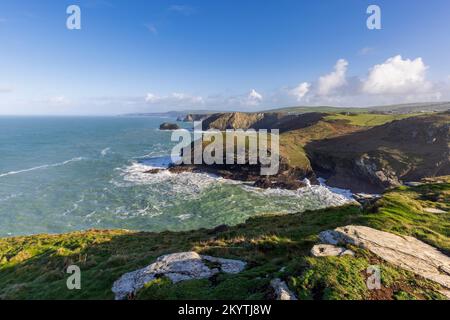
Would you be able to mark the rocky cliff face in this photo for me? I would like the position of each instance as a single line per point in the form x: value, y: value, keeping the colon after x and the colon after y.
x: 276, y: 120
x: 363, y: 159
x: 194, y: 117
x: 385, y: 156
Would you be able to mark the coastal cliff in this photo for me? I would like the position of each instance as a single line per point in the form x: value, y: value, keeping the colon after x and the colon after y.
x: 361, y: 152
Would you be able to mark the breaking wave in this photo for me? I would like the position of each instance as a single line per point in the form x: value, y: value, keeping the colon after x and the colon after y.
x: 41, y: 167
x: 191, y: 185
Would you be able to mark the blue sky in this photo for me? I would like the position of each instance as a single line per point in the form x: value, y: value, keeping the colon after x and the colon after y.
x: 151, y: 56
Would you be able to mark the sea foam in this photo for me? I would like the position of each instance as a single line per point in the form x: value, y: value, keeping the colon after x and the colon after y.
x: 41, y: 167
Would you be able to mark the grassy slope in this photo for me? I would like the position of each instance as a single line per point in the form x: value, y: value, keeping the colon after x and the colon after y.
x: 292, y: 142
x: 370, y: 120
x: 325, y: 109
x: 33, y: 267
x: 398, y: 109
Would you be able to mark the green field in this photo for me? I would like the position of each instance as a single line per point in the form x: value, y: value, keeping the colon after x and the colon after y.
x: 369, y: 119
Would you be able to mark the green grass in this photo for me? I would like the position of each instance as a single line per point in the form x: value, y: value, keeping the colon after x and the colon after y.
x: 273, y: 246
x: 324, y: 109
x: 369, y: 119
x: 402, y: 211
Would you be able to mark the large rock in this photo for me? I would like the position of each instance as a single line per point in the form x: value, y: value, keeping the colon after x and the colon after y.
x: 402, y: 251
x: 177, y: 267
x: 281, y: 290
x: 169, y: 126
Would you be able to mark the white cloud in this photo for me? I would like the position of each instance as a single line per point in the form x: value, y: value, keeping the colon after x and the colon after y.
x: 151, y: 28
x: 334, y: 80
x: 394, y: 81
x: 151, y: 98
x: 6, y: 89
x: 397, y: 76
x: 365, y: 51
x: 58, y: 100
x: 254, y: 98
x: 175, y: 99
x: 300, y: 91
x: 182, y: 9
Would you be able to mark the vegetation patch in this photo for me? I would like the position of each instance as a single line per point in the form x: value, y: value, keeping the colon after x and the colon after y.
x: 34, y: 267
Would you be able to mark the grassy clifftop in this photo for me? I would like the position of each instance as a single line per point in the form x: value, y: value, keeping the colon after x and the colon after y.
x: 274, y: 246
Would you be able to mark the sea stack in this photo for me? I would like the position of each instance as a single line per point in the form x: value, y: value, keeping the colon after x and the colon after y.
x: 169, y: 126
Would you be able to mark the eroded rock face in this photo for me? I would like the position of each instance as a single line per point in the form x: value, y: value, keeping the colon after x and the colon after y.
x: 402, y: 251
x: 329, y: 250
x: 177, y: 267
x: 282, y: 291
x: 385, y: 156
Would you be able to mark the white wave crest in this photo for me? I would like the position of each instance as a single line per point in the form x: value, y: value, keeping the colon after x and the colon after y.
x: 187, y: 183
x: 312, y: 196
x: 105, y: 151
x: 45, y: 166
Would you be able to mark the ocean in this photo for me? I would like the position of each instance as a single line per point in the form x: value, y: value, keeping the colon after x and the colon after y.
x: 62, y: 174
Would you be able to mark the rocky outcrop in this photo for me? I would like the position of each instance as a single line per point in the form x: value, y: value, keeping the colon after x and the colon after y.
x: 281, y: 290
x: 329, y: 250
x: 177, y: 267
x: 402, y: 251
x: 269, y: 120
x: 385, y: 156
x: 195, y: 117
x: 366, y: 200
x: 169, y: 126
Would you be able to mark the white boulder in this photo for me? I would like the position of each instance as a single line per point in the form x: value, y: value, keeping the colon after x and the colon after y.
x: 177, y: 267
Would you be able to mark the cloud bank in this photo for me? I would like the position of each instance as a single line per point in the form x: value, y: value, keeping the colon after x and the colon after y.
x: 393, y: 81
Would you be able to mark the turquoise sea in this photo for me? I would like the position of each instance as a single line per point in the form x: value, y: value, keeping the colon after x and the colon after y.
x: 60, y: 174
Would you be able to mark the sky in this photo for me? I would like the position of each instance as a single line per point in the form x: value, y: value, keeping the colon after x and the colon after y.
x: 231, y: 55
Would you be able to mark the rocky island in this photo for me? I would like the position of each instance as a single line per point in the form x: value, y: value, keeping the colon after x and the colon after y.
x: 169, y: 126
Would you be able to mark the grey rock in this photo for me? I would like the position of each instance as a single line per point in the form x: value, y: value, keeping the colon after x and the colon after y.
x: 169, y: 126
x: 366, y: 199
x: 329, y: 250
x: 330, y: 237
x: 282, y: 291
x: 177, y: 267
x: 402, y: 251
x: 413, y: 184
x: 227, y: 265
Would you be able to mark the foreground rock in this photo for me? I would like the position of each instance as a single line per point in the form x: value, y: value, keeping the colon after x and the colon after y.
x: 282, y: 291
x: 402, y: 251
x: 329, y: 250
x: 177, y: 267
x: 169, y: 126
